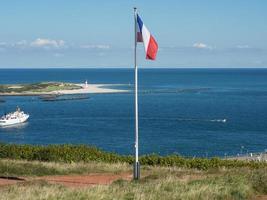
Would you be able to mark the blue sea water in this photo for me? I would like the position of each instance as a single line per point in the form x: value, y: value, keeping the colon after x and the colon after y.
x: 182, y: 111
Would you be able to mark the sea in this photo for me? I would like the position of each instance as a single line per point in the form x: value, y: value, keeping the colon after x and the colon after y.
x: 191, y: 112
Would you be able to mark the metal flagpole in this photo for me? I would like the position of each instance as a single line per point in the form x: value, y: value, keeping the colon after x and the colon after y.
x: 136, y: 172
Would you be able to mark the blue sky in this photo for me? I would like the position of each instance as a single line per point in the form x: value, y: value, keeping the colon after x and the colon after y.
x: 84, y: 33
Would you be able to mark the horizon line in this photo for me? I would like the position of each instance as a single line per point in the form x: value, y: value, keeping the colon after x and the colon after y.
x: 140, y: 67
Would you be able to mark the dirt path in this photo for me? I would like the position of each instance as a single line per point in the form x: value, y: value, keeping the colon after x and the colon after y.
x: 71, y: 180
x: 78, y: 181
x: 86, y: 180
x: 10, y: 180
x: 261, y: 197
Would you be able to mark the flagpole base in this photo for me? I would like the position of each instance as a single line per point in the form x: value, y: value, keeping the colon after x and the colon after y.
x: 136, y: 171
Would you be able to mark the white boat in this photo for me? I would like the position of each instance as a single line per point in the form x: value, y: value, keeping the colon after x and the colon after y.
x: 12, y: 118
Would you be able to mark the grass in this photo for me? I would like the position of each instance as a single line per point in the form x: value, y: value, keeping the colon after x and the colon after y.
x: 156, y: 183
x: 167, y: 188
x: 169, y: 177
x: 36, y: 168
x: 37, y: 87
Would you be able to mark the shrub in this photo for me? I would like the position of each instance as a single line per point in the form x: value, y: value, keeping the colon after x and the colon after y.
x: 83, y: 153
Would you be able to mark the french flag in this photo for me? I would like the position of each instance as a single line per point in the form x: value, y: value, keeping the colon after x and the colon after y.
x: 143, y: 35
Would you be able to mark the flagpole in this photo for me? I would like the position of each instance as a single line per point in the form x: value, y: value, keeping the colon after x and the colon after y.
x: 136, y: 171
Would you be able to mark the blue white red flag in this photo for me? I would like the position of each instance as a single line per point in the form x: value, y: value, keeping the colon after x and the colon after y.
x: 143, y: 35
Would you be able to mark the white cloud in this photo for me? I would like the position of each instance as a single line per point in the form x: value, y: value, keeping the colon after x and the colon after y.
x: 3, y: 44
x: 42, y: 43
x: 47, y: 43
x: 95, y: 46
x: 51, y: 45
x: 242, y: 46
x: 200, y: 45
x: 22, y: 42
x: 58, y: 55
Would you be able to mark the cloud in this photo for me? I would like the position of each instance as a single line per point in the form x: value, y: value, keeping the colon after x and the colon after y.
x: 47, y: 43
x: 22, y: 42
x: 242, y: 46
x: 200, y: 45
x: 40, y: 43
x: 58, y: 55
x: 58, y: 47
x: 3, y: 44
x: 95, y: 46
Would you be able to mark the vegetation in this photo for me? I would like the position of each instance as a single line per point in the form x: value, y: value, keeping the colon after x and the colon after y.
x: 170, y: 177
x: 13, y: 168
x: 83, y: 153
x: 156, y: 182
x: 37, y: 87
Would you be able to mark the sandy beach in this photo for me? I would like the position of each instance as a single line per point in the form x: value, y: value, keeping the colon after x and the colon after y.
x: 86, y: 89
x: 92, y: 88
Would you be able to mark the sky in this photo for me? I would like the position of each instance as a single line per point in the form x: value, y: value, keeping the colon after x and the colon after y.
x: 85, y: 33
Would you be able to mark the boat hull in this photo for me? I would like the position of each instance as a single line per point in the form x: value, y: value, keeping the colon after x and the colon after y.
x: 14, y: 121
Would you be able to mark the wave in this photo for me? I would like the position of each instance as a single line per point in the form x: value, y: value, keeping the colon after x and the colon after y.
x: 219, y: 120
x: 131, y: 118
x: 174, y: 90
x: 203, y: 120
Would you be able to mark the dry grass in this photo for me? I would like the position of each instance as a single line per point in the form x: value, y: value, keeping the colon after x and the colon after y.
x: 156, y: 183
x: 164, y: 188
x: 36, y: 168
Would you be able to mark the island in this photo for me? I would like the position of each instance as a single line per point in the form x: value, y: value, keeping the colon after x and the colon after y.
x: 47, y: 88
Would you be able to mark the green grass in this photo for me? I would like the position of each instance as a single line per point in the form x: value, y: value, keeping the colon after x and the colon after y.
x: 37, y: 87
x: 156, y: 182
